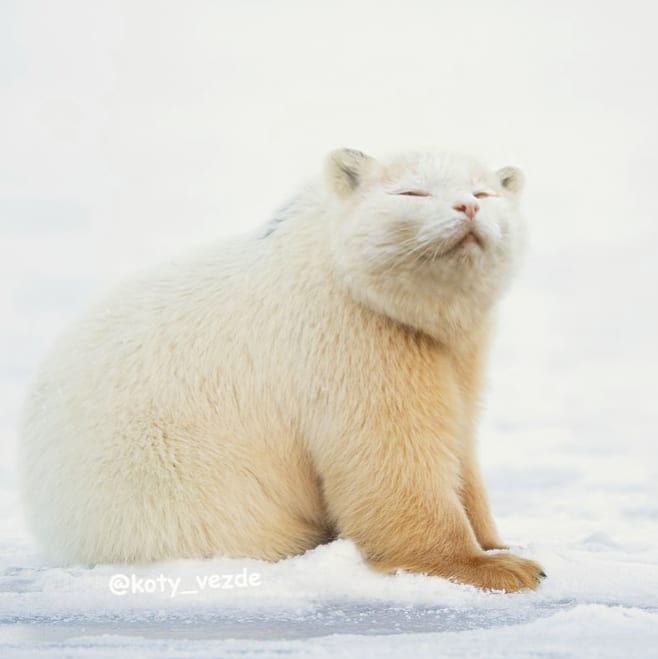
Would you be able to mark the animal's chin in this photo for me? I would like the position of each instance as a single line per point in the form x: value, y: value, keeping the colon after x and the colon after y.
x: 466, y: 246
x: 469, y: 241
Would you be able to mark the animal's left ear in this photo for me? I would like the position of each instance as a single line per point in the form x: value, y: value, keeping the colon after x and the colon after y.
x: 345, y: 169
x: 512, y: 180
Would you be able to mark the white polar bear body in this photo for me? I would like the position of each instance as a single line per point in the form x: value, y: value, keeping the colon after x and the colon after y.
x: 139, y: 447
x: 319, y: 378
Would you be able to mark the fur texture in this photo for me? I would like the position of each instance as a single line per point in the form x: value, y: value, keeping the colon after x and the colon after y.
x: 318, y: 378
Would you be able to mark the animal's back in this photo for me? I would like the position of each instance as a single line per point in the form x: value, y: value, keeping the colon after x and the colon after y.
x: 137, y: 439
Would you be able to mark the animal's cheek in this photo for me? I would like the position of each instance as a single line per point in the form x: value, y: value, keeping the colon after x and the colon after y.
x: 491, y: 220
x: 441, y: 220
x: 430, y: 232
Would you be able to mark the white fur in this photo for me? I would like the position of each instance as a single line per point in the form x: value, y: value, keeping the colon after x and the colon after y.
x: 197, y: 410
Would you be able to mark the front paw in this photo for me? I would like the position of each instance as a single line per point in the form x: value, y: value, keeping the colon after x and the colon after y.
x: 505, y: 572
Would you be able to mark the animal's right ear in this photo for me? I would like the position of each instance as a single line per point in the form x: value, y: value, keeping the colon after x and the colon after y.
x: 512, y: 180
x: 345, y: 169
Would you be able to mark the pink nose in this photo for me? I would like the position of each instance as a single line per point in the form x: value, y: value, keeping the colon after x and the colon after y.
x: 469, y: 208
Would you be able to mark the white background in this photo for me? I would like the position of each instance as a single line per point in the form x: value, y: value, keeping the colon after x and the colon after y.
x: 133, y: 130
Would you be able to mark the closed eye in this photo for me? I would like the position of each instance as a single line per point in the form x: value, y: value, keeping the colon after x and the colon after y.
x: 412, y: 193
x: 484, y: 193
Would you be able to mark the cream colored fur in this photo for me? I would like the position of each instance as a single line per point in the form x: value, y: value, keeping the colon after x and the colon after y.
x: 318, y: 378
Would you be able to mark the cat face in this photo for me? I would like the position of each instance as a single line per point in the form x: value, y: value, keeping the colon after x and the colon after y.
x: 425, y: 224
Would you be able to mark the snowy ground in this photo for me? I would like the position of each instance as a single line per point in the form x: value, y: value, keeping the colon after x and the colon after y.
x: 131, y: 131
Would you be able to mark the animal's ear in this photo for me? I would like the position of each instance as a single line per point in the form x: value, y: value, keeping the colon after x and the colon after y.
x: 345, y: 169
x: 512, y: 180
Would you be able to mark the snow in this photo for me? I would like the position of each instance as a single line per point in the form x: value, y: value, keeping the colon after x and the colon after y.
x: 137, y: 130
